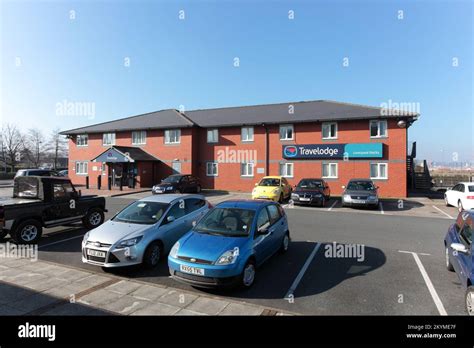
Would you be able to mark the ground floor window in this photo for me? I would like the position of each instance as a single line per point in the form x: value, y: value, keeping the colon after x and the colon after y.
x: 211, y: 168
x: 246, y: 169
x: 329, y: 170
x: 81, y: 168
x: 286, y: 170
x: 378, y: 171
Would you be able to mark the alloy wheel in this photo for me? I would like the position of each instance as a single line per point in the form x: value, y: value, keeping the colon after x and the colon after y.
x: 249, y: 275
x: 29, y: 233
x: 470, y: 302
x: 95, y: 219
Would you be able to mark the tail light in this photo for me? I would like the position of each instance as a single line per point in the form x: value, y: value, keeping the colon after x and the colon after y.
x: 470, y: 197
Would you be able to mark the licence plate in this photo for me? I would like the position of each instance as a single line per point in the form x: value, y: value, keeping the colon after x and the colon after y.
x: 96, y: 253
x: 159, y: 191
x: 304, y: 199
x: 358, y: 201
x: 192, y: 270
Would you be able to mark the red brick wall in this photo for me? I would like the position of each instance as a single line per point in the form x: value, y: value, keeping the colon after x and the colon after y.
x: 194, y: 152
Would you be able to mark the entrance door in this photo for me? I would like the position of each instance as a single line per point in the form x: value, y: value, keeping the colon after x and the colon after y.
x: 176, y: 166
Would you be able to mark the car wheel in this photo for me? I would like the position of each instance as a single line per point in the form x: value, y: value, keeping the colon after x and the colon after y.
x: 470, y: 300
x: 449, y: 265
x: 152, y: 255
x: 323, y: 202
x: 460, y: 207
x: 94, y: 218
x: 285, y: 243
x: 446, y: 200
x: 28, y: 232
x: 248, y: 275
x: 280, y: 200
x: 198, y: 189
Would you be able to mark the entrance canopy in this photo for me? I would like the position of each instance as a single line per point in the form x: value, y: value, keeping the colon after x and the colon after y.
x: 124, y: 154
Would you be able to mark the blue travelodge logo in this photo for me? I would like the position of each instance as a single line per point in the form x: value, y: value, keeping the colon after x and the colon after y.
x: 290, y: 151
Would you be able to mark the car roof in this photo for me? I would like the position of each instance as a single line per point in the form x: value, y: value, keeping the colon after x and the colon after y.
x: 319, y: 179
x: 361, y: 179
x: 169, y: 198
x: 465, y: 183
x: 253, y: 204
x: 272, y: 177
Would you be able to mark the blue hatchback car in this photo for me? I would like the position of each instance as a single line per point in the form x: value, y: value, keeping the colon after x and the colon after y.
x: 229, y: 243
x: 459, y: 254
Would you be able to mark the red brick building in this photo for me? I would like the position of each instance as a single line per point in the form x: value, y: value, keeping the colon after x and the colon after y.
x: 233, y: 148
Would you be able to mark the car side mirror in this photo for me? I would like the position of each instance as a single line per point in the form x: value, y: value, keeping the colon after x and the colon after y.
x: 170, y: 218
x: 461, y: 248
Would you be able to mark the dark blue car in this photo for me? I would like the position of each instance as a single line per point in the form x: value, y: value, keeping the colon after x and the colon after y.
x: 459, y: 255
x: 229, y: 243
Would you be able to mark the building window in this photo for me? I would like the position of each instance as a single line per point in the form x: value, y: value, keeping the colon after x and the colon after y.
x: 138, y: 137
x: 286, y: 132
x: 329, y: 170
x: 378, y: 171
x: 81, y: 168
x: 211, y: 168
x: 329, y: 130
x: 172, y: 136
x: 247, y: 134
x: 286, y: 170
x: 82, y: 140
x: 246, y: 169
x: 378, y: 129
x: 212, y: 135
x: 108, y: 139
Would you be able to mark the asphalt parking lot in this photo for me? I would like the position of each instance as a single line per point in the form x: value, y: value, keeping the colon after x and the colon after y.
x: 400, y: 271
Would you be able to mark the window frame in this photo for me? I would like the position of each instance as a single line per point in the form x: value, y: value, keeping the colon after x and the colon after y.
x: 378, y: 164
x: 378, y: 136
x: 143, y: 140
x: 286, y: 165
x: 212, y: 130
x: 326, y: 124
x: 287, y: 126
x: 247, y: 140
x: 167, y: 136
x: 104, y: 137
x: 216, y: 166
x: 329, y: 171
x: 84, y: 164
x: 247, y: 164
x: 82, y: 136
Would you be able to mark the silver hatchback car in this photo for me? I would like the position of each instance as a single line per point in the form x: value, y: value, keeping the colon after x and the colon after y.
x: 144, y: 231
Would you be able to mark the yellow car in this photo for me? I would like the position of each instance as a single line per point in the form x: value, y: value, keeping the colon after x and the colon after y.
x: 275, y: 188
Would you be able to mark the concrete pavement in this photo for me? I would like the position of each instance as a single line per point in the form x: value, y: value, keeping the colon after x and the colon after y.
x: 42, y: 288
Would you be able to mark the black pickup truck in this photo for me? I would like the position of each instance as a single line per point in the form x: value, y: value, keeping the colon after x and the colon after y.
x: 40, y: 201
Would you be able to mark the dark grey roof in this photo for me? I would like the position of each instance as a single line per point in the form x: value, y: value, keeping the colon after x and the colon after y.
x: 135, y: 153
x: 154, y: 120
x: 296, y: 112
x: 310, y: 111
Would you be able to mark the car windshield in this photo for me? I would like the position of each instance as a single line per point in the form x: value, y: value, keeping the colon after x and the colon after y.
x: 360, y: 186
x: 142, y: 212
x: 470, y: 188
x: 310, y: 183
x: 269, y: 182
x: 230, y: 222
x: 173, y: 179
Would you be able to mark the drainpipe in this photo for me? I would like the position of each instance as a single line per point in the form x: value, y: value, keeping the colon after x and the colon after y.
x: 267, y: 155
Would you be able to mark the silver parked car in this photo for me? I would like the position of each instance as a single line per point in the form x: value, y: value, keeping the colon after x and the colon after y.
x: 361, y: 193
x: 144, y: 231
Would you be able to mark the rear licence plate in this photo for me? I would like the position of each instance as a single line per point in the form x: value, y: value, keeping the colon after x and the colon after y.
x: 191, y: 270
x: 96, y: 253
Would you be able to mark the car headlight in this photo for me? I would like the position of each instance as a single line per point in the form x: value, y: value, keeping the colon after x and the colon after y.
x: 169, y: 188
x: 229, y: 257
x: 254, y: 190
x: 347, y: 197
x: 295, y: 195
x: 317, y: 195
x: 129, y: 242
x: 372, y: 197
x: 174, y: 250
x: 275, y: 191
x: 86, y: 237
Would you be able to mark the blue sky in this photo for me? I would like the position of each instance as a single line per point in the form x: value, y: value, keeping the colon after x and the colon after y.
x: 48, y: 58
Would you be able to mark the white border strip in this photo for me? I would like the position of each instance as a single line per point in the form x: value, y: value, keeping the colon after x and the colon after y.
x: 302, y: 271
x: 449, y: 216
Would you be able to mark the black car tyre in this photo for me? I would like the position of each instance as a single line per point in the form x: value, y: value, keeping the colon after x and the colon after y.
x: 152, y: 255
x: 94, y: 218
x: 248, y: 274
x: 449, y: 265
x: 3, y: 234
x: 469, y: 300
x: 285, y: 243
x: 28, y: 232
x: 323, y: 202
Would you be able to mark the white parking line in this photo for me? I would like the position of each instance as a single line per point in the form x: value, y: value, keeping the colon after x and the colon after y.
x: 449, y: 216
x: 381, y: 208
x: 59, y: 241
x: 297, y: 280
x: 332, y: 206
x: 429, y: 284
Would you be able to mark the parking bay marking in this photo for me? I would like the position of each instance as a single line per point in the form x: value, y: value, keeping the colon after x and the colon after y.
x: 429, y: 284
x: 381, y: 208
x: 302, y: 271
x: 332, y: 206
x: 449, y: 216
x: 60, y: 241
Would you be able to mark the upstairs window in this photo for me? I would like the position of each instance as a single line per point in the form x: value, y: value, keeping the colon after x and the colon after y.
x: 172, y: 136
x: 82, y: 140
x: 247, y: 134
x: 212, y: 135
x: 286, y: 132
x: 108, y: 139
x: 378, y: 129
x: 138, y: 137
x: 329, y: 130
